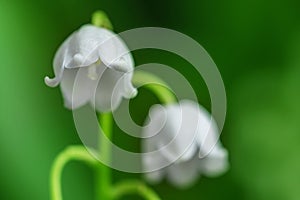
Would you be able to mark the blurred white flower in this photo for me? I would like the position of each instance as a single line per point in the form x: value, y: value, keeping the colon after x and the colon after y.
x: 187, y: 137
x: 97, y: 59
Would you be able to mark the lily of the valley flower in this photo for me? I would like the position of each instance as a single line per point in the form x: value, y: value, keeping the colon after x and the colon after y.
x: 93, y: 66
x: 187, y: 136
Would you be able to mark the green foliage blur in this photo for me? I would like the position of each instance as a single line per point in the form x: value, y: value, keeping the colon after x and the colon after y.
x: 254, y: 43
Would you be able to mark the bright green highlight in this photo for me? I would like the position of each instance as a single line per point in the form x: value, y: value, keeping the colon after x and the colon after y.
x: 155, y: 84
x: 100, y: 19
x: 134, y: 187
x: 78, y: 153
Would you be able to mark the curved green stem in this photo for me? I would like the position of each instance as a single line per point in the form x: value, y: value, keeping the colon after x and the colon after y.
x: 104, y: 172
x: 71, y: 153
x: 155, y: 84
x: 133, y: 187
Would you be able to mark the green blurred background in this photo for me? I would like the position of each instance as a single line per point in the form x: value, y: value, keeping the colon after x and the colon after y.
x: 254, y: 43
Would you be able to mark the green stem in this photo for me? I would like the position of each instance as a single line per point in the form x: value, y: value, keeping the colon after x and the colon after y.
x: 104, y: 172
x: 134, y: 187
x: 103, y: 189
x: 165, y: 95
x: 100, y: 19
x: 71, y: 153
x: 155, y: 84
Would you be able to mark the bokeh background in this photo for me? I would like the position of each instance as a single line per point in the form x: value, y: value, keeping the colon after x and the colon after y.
x: 254, y: 43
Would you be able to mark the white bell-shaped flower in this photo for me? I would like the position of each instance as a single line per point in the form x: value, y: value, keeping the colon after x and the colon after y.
x: 185, y: 135
x: 93, y: 65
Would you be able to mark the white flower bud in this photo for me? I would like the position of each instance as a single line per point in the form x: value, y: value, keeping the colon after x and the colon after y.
x: 187, y: 136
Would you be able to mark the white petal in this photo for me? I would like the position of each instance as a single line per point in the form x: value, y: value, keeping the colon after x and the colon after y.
x: 76, y: 93
x: 154, y: 124
x: 183, y: 174
x: 208, y: 132
x: 114, y: 53
x: 128, y: 90
x: 181, y: 130
x: 154, y: 177
x: 151, y: 162
x: 216, y: 163
x: 60, y: 59
x: 112, y: 87
x: 85, y: 47
x: 177, y: 127
x: 91, y: 43
x: 121, y: 64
